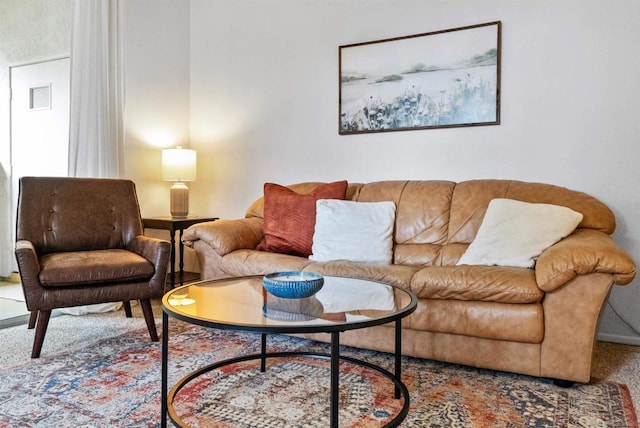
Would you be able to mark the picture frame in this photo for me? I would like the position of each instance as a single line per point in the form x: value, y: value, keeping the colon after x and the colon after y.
x: 441, y: 79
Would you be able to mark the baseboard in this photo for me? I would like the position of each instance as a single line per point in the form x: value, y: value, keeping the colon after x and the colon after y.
x: 616, y: 338
x: 13, y: 277
x: 14, y: 321
x: 23, y: 319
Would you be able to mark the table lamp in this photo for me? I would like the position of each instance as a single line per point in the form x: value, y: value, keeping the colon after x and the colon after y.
x: 179, y: 165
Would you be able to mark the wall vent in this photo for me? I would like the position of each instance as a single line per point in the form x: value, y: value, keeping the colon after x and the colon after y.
x: 40, y: 97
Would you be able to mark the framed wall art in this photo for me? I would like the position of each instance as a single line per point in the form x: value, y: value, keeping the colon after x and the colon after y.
x: 447, y: 78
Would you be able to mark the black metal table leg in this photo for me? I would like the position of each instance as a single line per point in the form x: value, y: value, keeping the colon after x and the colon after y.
x: 263, y: 353
x: 181, y: 261
x: 165, y: 364
x: 398, y: 356
x: 172, y: 270
x: 335, y: 377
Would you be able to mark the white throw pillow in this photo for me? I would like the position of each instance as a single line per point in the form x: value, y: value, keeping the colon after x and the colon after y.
x: 355, y: 231
x: 514, y: 233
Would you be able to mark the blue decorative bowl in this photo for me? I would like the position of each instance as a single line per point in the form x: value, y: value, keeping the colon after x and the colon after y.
x: 293, y: 285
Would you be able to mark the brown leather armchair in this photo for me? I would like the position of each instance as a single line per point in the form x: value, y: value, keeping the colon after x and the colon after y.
x: 80, y: 241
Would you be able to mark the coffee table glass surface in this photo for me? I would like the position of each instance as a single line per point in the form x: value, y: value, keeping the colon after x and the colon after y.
x: 244, y: 304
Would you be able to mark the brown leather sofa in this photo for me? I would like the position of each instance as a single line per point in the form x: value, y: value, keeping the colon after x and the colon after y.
x: 540, y: 321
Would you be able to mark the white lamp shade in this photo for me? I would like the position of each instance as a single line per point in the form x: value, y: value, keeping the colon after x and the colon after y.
x: 179, y: 164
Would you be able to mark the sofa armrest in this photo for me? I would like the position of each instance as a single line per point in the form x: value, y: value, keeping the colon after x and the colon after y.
x: 225, y: 236
x: 584, y: 251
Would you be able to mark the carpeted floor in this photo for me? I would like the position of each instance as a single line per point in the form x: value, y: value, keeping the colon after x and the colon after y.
x: 613, y: 363
x: 620, y: 363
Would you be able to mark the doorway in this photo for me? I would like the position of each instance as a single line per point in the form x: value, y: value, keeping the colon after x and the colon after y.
x: 40, y: 105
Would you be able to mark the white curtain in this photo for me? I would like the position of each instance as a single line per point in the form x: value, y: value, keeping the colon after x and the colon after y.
x: 6, y: 243
x: 96, y: 143
x: 96, y: 129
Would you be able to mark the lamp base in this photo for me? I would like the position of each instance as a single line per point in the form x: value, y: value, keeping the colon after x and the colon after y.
x: 179, y: 200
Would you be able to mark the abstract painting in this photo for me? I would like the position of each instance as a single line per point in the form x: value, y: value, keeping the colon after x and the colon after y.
x: 447, y: 78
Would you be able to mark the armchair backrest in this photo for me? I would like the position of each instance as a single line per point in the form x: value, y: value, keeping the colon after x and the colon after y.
x: 77, y: 214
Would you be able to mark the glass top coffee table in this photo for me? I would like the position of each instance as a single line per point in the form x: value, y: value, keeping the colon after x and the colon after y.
x: 243, y: 304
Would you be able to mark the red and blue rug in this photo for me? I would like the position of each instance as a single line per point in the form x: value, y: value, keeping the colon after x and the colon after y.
x: 116, y: 383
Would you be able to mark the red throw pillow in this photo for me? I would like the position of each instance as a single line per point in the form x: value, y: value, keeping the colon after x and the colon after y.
x: 290, y: 217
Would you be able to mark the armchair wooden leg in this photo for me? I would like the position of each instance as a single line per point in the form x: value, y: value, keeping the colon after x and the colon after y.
x: 41, y: 330
x: 127, y: 308
x: 145, y: 304
x: 32, y: 320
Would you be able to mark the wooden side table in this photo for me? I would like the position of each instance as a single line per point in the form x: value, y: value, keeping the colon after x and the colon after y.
x: 173, y: 224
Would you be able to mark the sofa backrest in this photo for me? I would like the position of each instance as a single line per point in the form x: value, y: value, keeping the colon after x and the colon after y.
x: 437, y: 220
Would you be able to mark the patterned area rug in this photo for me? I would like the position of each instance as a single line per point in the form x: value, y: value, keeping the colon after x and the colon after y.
x: 116, y: 383
x: 292, y: 391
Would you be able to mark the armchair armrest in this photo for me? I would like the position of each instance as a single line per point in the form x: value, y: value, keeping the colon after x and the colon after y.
x: 225, y: 236
x: 584, y: 251
x: 157, y: 251
x: 29, y: 267
x: 27, y: 259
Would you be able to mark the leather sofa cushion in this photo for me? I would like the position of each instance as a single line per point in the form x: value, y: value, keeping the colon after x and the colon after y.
x: 489, y: 320
x: 471, y: 198
x: 389, y: 274
x: 477, y: 283
x: 254, y: 262
x: 423, y: 210
x: 428, y: 254
x: 91, y: 267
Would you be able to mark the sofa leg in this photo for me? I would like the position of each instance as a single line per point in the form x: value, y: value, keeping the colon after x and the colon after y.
x: 127, y: 308
x: 145, y: 304
x: 41, y: 330
x: 32, y: 320
x: 563, y: 383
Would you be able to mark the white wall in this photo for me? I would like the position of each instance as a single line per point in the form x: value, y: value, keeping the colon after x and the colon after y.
x: 263, y: 107
x: 157, y: 98
x: 30, y: 31
x: 254, y: 84
x: 157, y: 93
x: 157, y: 80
